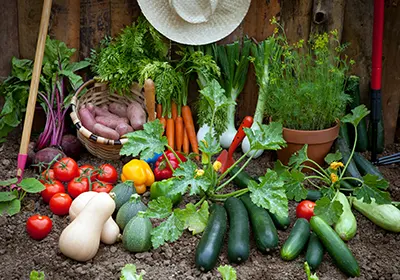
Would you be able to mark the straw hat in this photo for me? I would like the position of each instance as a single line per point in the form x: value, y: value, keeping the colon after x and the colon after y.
x: 195, y: 22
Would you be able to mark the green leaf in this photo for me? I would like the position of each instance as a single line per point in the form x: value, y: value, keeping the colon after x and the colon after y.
x: 328, y: 210
x: 193, y: 219
x: 31, y: 185
x: 207, y: 147
x: 159, y: 208
x: 215, y: 96
x: 308, y: 272
x: 22, y: 68
x: 356, y: 115
x: 373, y: 188
x: 146, y: 142
x: 333, y: 157
x: 279, y: 168
x: 294, y: 187
x: 8, y: 182
x: 270, y: 193
x: 299, y: 157
x: 265, y: 137
x: 128, y: 272
x: 74, y: 79
x: 227, y: 272
x: 168, y: 231
x: 36, y: 275
x: 11, y: 207
x: 73, y: 67
x: 185, y: 176
x: 8, y: 196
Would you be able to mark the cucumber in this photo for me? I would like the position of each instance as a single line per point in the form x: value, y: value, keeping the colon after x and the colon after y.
x: 344, y: 133
x: 210, y: 244
x: 313, y: 195
x: 335, y: 246
x: 263, y: 227
x: 365, y: 166
x: 242, y: 179
x: 136, y: 236
x: 346, y: 226
x: 386, y: 216
x: 280, y: 222
x: 297, y: 240
x: 351, y: 170
x: 121, y: 193
x: 129, y: 210
x: 239, y: 230
x: 315, y: 251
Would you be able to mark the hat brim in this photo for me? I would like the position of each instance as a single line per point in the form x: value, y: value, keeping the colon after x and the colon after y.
x: 227, y: 17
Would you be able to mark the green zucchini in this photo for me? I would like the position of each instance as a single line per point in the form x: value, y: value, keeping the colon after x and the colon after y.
x: 279, y: 221
x: 351, y: 170
x: 121, y: 193
x: 335, y: 246
x: 129, y: 210
x: 315, y: 252
x: 344, y: 133
x: 136, y: 236
x: 386, y: 216
x: 346, y: 226
x: 313, y: 195
x: 365, y: 166
x: 210, y: 244
x: 263, y: 227
x: 242, y: 179
x: 239, y: 230
x: 297, y: 240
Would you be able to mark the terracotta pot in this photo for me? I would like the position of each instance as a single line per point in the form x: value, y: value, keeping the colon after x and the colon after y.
x: 319, y: 143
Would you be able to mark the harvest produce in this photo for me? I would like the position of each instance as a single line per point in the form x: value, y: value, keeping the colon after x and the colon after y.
x: 315, y: 251
x: 305, y: 209
x: 77, y: 186
x: 137, y: 235
x: 65, y: 169
x: 297, y: 240
x: 129, y: 210
x: 52, y: 189
x: 164, y: 188
x: 346, y: 226
x: 38, y: 227
x: 60, y: 203
x: 121, y: 193
x: 163, y: 168
x: 140, y: 173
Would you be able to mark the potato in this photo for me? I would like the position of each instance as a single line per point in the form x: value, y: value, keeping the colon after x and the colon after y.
x: 123, y: 128
x: 105, y: 132
x: 118, y: 109
x: 87, y: 119
x: 111, y: 121
x: 90, y: 107
x: 99, y: 111
x: 136, y: 115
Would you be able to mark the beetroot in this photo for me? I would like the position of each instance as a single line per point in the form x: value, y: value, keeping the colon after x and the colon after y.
x: 46, y: 155
x: 71, y: 146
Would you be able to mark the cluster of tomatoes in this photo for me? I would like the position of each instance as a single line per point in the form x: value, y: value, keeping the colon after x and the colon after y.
x: 78, y: 179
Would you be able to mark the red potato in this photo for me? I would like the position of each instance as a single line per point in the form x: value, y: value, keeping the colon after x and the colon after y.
x: 123, y: 128
x: 136, y: 115
x: 87, y: 118
x: 118, y: 109
x: 105, y: 131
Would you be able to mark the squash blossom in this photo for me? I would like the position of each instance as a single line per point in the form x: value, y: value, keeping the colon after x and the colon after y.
x: 199, y: 173
x: 335, y: 165
x: 334, y: 177
x: 217, y: 165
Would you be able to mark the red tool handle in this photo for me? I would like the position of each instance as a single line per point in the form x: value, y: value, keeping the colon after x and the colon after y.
x: 247, y: 122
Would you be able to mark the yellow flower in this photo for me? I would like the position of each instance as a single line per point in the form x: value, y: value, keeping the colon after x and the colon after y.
x: 335, y: 165
x: 276, y: 30
x: 217, y: 165
x: 199, y: 173
x: 334, y: 177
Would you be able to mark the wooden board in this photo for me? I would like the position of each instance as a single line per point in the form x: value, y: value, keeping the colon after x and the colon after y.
x: 123, y: 13
x: 296, y: 19
x: 9, y: 32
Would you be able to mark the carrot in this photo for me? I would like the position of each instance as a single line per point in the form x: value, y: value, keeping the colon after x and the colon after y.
x: 179, y: 133
x: 159, y: 111
x: 190, y: 130
x: 164, y: 123
x: 171, y: 132
x: 185, y: 141
x: 174, y: 110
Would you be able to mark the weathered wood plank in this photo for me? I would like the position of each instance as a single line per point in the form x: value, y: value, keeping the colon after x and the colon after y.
x: 296, y: 19
x: 123, y: 13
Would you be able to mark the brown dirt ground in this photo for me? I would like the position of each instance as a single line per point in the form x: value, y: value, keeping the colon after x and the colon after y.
x: 376, y: 250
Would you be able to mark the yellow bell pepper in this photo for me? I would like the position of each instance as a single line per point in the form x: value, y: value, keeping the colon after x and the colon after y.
x: 140, y: 173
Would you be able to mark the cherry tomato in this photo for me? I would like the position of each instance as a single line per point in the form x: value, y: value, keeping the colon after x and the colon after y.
x: 66, y: 169
x: 305, y: 209
x: 52, y: 189
x: 60, y: 203
x: 47, y: 176
x: 38, y: 227
x: 87, y: 169
x: 107, y: 173
x: 99, y: 186
x: 77, y: 186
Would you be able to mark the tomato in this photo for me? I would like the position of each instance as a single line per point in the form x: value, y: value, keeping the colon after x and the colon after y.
x: 47, y: 176
x: 38, y: 227
x: 107, y: 173
x: 99, y: 186
x: 66, y: 169
x: 52, y: 189
x: 305, y: 209
x: 60, y: 203
x: 77, y: 186
x: 86, y: 170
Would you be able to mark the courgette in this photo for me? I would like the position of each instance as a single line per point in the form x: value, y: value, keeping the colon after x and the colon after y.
x: 210, y: 244
x: 335, y: 246
x: 344, y: 133
x: 263, y: 227
x: 281, y: 222
x: 313, y: 195
x: 239, y: 230
x: 242, y: 179
x: 351, y: 170
x: 297, y: 240
x: 346, y: 226
x: 315, y: 251
x: 365, y: 166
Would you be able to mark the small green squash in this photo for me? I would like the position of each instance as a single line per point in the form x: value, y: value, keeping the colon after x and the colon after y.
x: 137, y: 235
x: 121, y: 193
x: 129, y: 210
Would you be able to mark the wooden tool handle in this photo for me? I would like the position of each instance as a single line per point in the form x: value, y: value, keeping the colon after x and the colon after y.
x: 150, y: 97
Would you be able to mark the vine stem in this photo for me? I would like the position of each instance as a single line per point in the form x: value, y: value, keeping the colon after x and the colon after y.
x: 352, y: 178
x: 319, y: 166
x: 175, y: 154
x: 352, y: 151
x: 313, y: 169
x: 234, y: 176
x: 168, y: 162
x: 235, y: 193
x: 223, y: 175
x: 200, y: 201
x: 315, y: 185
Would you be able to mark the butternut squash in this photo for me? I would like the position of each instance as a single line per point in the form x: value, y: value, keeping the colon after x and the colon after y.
x: 80, y: 240
x: 110, y: 233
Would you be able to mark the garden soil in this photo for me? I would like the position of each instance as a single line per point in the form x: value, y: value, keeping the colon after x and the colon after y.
x: 376, y: 250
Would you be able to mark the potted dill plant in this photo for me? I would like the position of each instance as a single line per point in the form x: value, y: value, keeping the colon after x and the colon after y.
x: 306, y: 92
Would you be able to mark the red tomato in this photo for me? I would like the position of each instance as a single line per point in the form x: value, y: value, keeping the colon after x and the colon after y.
x: 60, y: 203
x: 99, y: 186
x: 107, y: 173
x: 66, y: 169
x: 305, y: 209
x: 47, y: 176
x: 77, y: 186
x: 86, y: 170
x: 52, y: 189
x: 38, y: 227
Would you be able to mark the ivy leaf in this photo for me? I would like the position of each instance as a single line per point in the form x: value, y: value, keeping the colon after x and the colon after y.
x: 333, y: 157
x: 147, y: 142
x: 294, y: 187
x: 207, y: 147
x: 328, y: 210
x: 11, y: 207
x: 373, y: 188
x: 227, y: 272
x: 299, y: 157
x: 270, y: 193
x: 193, y: 219
x: 168, y: 231
x: 265, y: 137
x: 158, y: 208
x: 31, y: 185
x: 128, y: 272
x: 356, y: 115
x: 215, y: 96
x: 185, y: 176
x: 8, y: 196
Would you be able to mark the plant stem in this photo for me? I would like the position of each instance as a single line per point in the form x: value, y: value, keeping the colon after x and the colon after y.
x: 319, y: 166
x: 232, y: 166
x: 352, y: 151
x: 315, y: 185
x: 175, y: 154
x: 200, y: 201
x: 318, y: 177
x: 168, y: 162
x: 313, y: 169
x: 233, y: 177
x: 235, y: 193
x: 352, y: 178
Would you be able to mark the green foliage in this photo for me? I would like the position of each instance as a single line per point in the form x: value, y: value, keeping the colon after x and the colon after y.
x: 269, y: 137
x: 308, y: 272
x: 227, y: 272
x: 185, y: 176
x: 36, y: 275
x: 128, y: 272
x: 328, y: 210
x: 194, y: 220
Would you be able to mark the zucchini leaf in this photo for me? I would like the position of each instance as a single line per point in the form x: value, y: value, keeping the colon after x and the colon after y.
x: 206, y: 147
x: 128, y: 272
x: 294, y: 186
x: 333, y: 157
x: 267, y: 137
x: 373, y: 187
x: 185, y: 176
x: 356, y: 115
x: 299, y: 157
x: 227, y: 272
x: 328, y: 210
x: 194, y: 220
x: 168, y: 231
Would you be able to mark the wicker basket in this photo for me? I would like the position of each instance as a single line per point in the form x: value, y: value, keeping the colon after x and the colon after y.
x: 99, y: 93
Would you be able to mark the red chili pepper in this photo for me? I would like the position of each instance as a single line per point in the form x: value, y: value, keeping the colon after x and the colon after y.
x: 162, y: 169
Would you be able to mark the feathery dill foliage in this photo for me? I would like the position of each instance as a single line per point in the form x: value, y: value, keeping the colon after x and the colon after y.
x: 307, y: 82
